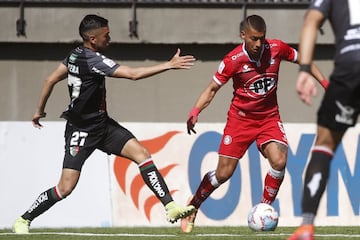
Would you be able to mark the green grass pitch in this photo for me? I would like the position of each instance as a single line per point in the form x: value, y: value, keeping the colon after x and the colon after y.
x: 163, y: 233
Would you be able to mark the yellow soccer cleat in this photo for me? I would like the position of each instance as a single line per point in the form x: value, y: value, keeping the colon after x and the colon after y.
x: 175, y: 211
x: 21, y: 226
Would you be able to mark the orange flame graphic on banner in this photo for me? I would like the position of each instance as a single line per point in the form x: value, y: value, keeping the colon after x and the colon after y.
x: 121, y: 166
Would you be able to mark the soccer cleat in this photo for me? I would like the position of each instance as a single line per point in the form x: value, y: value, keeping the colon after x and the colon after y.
x: 21, y: 226
x: 175, y: 211
x: 304, y: 232
x: 187, y: 223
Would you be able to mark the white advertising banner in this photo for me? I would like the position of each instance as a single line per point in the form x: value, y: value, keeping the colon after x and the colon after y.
x: 183, y: 161
x: 31, y: 162
x: 111, y: 191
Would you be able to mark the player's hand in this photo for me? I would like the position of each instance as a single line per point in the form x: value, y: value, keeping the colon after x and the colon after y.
x: 36, y: 119
x: 181, y: 62
x: 192, y: 119
x: 306, y: 87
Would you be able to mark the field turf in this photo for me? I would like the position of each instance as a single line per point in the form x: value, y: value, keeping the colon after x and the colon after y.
x: 206, y: 233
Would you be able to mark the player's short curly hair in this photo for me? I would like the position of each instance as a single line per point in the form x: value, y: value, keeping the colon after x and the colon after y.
x: 91, y: 22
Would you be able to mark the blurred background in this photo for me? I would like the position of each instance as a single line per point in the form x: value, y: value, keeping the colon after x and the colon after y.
x: 36, y: 35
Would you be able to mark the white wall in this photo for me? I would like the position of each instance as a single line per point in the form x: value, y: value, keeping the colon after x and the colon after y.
x: 31, y: 161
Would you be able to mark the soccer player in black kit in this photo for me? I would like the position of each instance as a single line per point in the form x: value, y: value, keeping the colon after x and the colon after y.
x: 340, y: 105
x: 88, y: 125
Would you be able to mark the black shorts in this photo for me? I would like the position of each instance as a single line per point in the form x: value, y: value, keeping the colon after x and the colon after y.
x: 340, y: 106
x: 80, y: 143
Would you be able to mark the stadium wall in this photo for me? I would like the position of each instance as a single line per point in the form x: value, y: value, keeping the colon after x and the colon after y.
x: 109, y: 195
x: 47, y: 23
x: 207, y: 33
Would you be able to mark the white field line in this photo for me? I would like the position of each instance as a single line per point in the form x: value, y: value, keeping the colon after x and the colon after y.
x: 95, y: 234
x: 278, y: 234
x: 174, y: 235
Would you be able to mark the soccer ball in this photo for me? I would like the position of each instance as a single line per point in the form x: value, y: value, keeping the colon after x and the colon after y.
x: 263, y: 217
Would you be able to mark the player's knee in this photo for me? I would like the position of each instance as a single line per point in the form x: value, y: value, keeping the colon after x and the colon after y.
x: 136, y: 152
x: 279, y: 164
x: 146, y: 153
x: 141, y: 156
x: 65, y: 190
x: 223, y: 175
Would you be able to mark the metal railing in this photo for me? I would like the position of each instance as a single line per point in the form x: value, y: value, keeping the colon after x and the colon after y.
x: 167, y: 2
x: 244, y: 4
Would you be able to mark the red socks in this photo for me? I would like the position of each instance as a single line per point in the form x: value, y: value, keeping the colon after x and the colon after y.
x: 272, y: 184
x: 207, y: 186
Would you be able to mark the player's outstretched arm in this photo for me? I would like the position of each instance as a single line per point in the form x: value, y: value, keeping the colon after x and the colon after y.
x: 305, y: 85
x: 57, y: 75
x: 319, y: 76
x: 136, y: 73
x: 203, y: 101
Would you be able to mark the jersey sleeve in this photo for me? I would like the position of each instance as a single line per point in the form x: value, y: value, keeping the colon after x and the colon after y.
x: 225, y: 71
x: 288, y: 53
x: 103, y: 65
x: 65, y: 61
x: 321, y: 5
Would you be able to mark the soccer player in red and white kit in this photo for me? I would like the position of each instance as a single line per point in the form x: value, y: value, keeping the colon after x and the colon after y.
x: 253, y: 114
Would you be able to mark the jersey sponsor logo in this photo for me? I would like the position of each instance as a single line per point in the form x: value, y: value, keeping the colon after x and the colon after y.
x: 155, y: 183
x: 74, y: 150
x: 73, y: 68
x: 221, y: 67
x: 271, y: 45
x: 109, y: 62
x: 346, y: 113
x: 246, y: 68
x: 42, y: 198
x: 271, y: 191
x: 352, y: 34
x: 227, y: 140
x: 72, y: 58
x: 234, y: 57
x: 98, y: 71
x: 260, y: 85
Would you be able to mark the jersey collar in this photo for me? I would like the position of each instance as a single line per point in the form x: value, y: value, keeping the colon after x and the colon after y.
x: 258, y: 62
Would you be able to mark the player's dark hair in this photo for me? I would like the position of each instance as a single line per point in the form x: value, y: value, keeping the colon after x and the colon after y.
x: 241, y: 25
x: 255, y: 22
x: 91, y: 22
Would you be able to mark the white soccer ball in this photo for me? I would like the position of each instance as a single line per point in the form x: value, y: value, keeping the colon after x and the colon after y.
x: 263, y: 217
